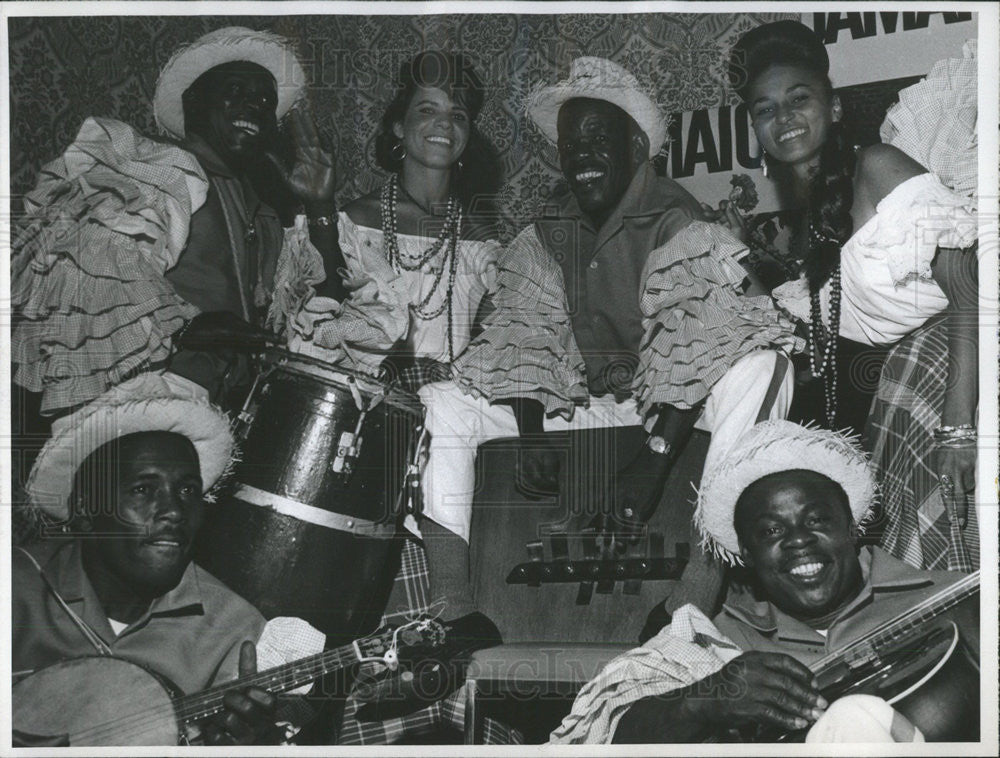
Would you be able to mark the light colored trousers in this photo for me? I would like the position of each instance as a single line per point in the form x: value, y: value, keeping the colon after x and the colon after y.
x: 458, y: 423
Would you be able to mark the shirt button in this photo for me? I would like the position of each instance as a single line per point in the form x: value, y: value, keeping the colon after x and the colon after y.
x: 593, y: 264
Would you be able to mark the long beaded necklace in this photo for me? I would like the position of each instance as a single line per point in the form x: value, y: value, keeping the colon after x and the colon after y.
x: 823, y: 340
x: 400, y: 261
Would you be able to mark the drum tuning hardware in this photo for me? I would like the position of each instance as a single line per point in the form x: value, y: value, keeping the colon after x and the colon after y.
x: 348, y: 449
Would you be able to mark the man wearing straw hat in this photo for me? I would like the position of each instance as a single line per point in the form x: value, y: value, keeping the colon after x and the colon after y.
x: 127, y: 477
x: 141, y: 255
x: 786, y: 501
x: 622, y: 307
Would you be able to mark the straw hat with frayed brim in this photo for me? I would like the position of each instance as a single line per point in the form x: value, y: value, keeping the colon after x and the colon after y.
x: 233, y: 43
x: 147, y: 403
x: 768, y: 448
x: 598, y: 79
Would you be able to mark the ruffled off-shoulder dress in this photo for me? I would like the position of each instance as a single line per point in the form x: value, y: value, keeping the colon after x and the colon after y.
x: 889, y: 297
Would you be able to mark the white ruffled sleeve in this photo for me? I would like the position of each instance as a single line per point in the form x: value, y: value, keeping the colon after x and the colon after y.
x: 361, y: 330
x: 912, y: 222
x: 935, y: 121
x: 299, y: 270
x: 104, y: 223
x: 527, y: 347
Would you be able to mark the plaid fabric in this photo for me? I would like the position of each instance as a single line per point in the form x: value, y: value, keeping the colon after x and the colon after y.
x: 905, y: 412
x: 409, y: 597
x: 423, y: 371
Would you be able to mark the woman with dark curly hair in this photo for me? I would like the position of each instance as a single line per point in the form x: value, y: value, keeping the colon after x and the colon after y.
x: 419, y: 221
x: 886, y: 260
x: 422, y: 242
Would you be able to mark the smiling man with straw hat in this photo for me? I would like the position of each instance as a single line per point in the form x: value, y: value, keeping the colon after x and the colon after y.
x: 140, y: 255
x: 621, y: 307
x: 125, y: 480
x: 787, y: 502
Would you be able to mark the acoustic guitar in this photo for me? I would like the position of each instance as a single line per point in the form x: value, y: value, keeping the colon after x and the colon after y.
x: 102, y: 700
x: 916, y: 663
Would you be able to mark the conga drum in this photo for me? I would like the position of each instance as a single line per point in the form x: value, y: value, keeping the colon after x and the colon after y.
x: 308, y: 527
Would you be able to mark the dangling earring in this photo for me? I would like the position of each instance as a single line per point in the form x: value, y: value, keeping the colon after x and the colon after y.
x: 398, y: 151
x: 460, y: 166
x: 763, y: 163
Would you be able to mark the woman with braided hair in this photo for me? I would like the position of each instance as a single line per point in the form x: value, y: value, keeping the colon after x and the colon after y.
x: 887, y: 251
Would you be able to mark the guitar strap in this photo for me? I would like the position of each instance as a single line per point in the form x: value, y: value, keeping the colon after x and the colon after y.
x: 92, y: 637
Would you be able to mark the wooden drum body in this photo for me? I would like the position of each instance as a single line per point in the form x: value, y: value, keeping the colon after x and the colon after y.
x: 529, y: 558
x: 309, y: 528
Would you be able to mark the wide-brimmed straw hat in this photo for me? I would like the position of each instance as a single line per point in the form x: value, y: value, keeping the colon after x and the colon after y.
x: 146, y: 403
x: 227, y: 45
x: 768, y: 448
x: 598, y: 79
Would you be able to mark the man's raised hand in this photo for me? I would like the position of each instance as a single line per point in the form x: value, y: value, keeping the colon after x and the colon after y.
x: 312, y: 178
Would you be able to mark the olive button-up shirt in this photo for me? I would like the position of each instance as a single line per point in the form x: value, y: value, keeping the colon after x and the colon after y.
x: 602, y: 269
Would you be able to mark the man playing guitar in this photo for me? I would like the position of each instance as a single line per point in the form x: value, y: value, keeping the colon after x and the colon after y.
x: 126, y: 478
x: 822, y: 618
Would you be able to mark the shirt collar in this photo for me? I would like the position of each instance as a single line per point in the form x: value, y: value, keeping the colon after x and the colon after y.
x: 64, y: 568
x: 206, y: 155
x: 646, y: 195
x: 215, y: 167
x: 880, y: 571
x: 643, y: 196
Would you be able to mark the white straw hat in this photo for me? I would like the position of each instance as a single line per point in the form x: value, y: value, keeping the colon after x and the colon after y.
x: 227, y: 45
x: 598, y: 79
x: 768, y: 448
x: 146, y: 403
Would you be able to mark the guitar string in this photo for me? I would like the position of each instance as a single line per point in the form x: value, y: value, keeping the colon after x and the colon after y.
x: 902, y: 625
x: 188, y: 707
x: 137, y: 721
x: 889, y: 630
x: 296, y: 669
x: 193, y: 705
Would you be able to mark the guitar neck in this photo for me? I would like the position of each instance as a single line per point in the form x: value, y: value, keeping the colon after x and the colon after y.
x: 203, y: 704
x: 902, y: 625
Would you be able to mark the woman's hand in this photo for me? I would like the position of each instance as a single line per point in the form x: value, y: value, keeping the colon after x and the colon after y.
x: 727, y: 215
x: 956, y: 471
x: 312, y: 179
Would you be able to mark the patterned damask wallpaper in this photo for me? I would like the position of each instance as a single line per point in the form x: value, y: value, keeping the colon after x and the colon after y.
x: 65, y: 69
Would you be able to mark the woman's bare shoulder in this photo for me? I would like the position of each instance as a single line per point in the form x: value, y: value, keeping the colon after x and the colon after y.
x: 882, y: 168
x: 366, y: 210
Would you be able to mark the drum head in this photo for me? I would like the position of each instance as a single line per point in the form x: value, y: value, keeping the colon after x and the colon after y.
x: 336, y: 375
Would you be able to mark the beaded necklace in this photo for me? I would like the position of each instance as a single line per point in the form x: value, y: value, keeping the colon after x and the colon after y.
x: 823, y: 340
x: 404, y: 262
